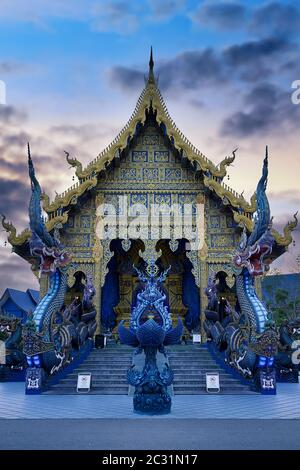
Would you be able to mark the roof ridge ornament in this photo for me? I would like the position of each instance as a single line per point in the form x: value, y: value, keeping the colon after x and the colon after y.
x: 151, y: 78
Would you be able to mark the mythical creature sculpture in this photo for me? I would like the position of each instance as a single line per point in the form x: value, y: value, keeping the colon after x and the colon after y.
x: 51, y: 332
x: 150, y: 330
x: 11, y: 335
x: 287, y: 360
x: 247, y: 336
x: 88, y: 294
x: 212, y: 306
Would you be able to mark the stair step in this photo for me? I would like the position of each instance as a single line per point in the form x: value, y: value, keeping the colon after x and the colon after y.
x: 190, y: 366
x: 73, y: 385
x: 98, y: 375
x: 224, y: 387
x: 109, y: 368
x: 95, y: 381
x: 91, y: 392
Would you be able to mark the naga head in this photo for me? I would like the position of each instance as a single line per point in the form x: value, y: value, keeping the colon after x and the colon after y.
x: 8, y: 325
x: 42, y: 244
x: 255, y: 257
x: 51, y: 258
x: 253, y: 251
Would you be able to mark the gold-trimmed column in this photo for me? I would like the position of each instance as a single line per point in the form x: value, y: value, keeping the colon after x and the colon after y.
x: 97, y: 255
x: 203, y: 269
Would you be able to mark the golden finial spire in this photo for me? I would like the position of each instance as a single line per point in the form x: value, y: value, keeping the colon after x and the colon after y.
x: 151, y: 78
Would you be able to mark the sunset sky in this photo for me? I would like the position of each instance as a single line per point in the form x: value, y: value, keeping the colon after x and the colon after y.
x: 74, y: 69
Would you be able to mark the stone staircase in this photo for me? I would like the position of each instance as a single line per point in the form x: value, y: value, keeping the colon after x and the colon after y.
x: 190, y: 364
x: 109, y: 369
x: 109, y: 372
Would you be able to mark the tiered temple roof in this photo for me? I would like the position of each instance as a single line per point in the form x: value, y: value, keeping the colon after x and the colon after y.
x: 213, y: 175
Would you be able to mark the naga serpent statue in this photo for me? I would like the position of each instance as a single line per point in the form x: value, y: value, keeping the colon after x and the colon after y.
x: 150, y: 330
x: 247, y: 337
x: 287, y: 360
x: 11, y: 335
x: 52, y: 331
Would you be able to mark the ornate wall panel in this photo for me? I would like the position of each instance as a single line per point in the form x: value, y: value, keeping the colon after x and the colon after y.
x: 150, y: 173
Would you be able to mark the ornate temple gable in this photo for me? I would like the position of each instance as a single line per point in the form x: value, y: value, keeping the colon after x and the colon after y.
x: 151, y: 99
x: 150, y: 164
x: 150, y: 155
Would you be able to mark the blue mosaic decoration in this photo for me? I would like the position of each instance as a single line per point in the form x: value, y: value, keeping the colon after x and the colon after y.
x: 85, y: 221
x: 161, y: 156
x: 150, y: 330
x: 172, y: 174
x: 140, y: 156
x: 139, y: 198
x: 150, y: 139
x: 128, y: 174
x: 150, y: 174
x: 162, y: 198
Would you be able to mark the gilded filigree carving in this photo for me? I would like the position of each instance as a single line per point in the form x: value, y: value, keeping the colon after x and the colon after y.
x: 107, y: 254
x: 149, y: 253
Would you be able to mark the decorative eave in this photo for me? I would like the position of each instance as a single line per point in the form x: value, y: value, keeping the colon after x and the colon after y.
x: 286, y: 239
x: 13, y: 238
x: 229, y: 196
x: 19, y: 239
x: 281, y: 240
x: 69, y: 196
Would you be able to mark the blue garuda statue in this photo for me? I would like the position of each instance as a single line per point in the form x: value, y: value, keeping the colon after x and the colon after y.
x: 150, y: 330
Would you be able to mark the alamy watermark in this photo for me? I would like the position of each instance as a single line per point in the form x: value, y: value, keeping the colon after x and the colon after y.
x: 296, y: 94
x: 2, y: 92
x: 153, y: 222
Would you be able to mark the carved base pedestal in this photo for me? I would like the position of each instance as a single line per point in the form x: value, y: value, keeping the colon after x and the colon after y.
x: 265, y: 381
x: 34, y: 380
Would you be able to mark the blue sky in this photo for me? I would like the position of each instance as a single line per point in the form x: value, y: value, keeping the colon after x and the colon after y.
x: 74, y: 69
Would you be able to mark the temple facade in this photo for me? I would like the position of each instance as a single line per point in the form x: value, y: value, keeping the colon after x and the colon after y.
x: 149, y: 169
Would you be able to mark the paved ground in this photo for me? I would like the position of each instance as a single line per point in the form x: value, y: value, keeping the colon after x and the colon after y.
x: 14, y: 404
x: 158, y: 434
x: 108, y: 422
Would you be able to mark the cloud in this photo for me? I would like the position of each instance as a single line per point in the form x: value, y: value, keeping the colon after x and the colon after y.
x: 15, y: 195
x: 220, y: 14
x: 290, y: 196
x: 10, y: 67
x: 271, y: 18
x: 18, y: 274
x: 253, y: 61
x: 275, y: 18
x: 117, y: 16
x: 11, y: 115
x: 249, y: 61
x: 241, y: 54
x: 163, y: 10
x: 188, y: 70
x: 126, y: 78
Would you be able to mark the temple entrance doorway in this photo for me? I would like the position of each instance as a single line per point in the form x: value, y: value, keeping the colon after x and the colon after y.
x: 121, y: 286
